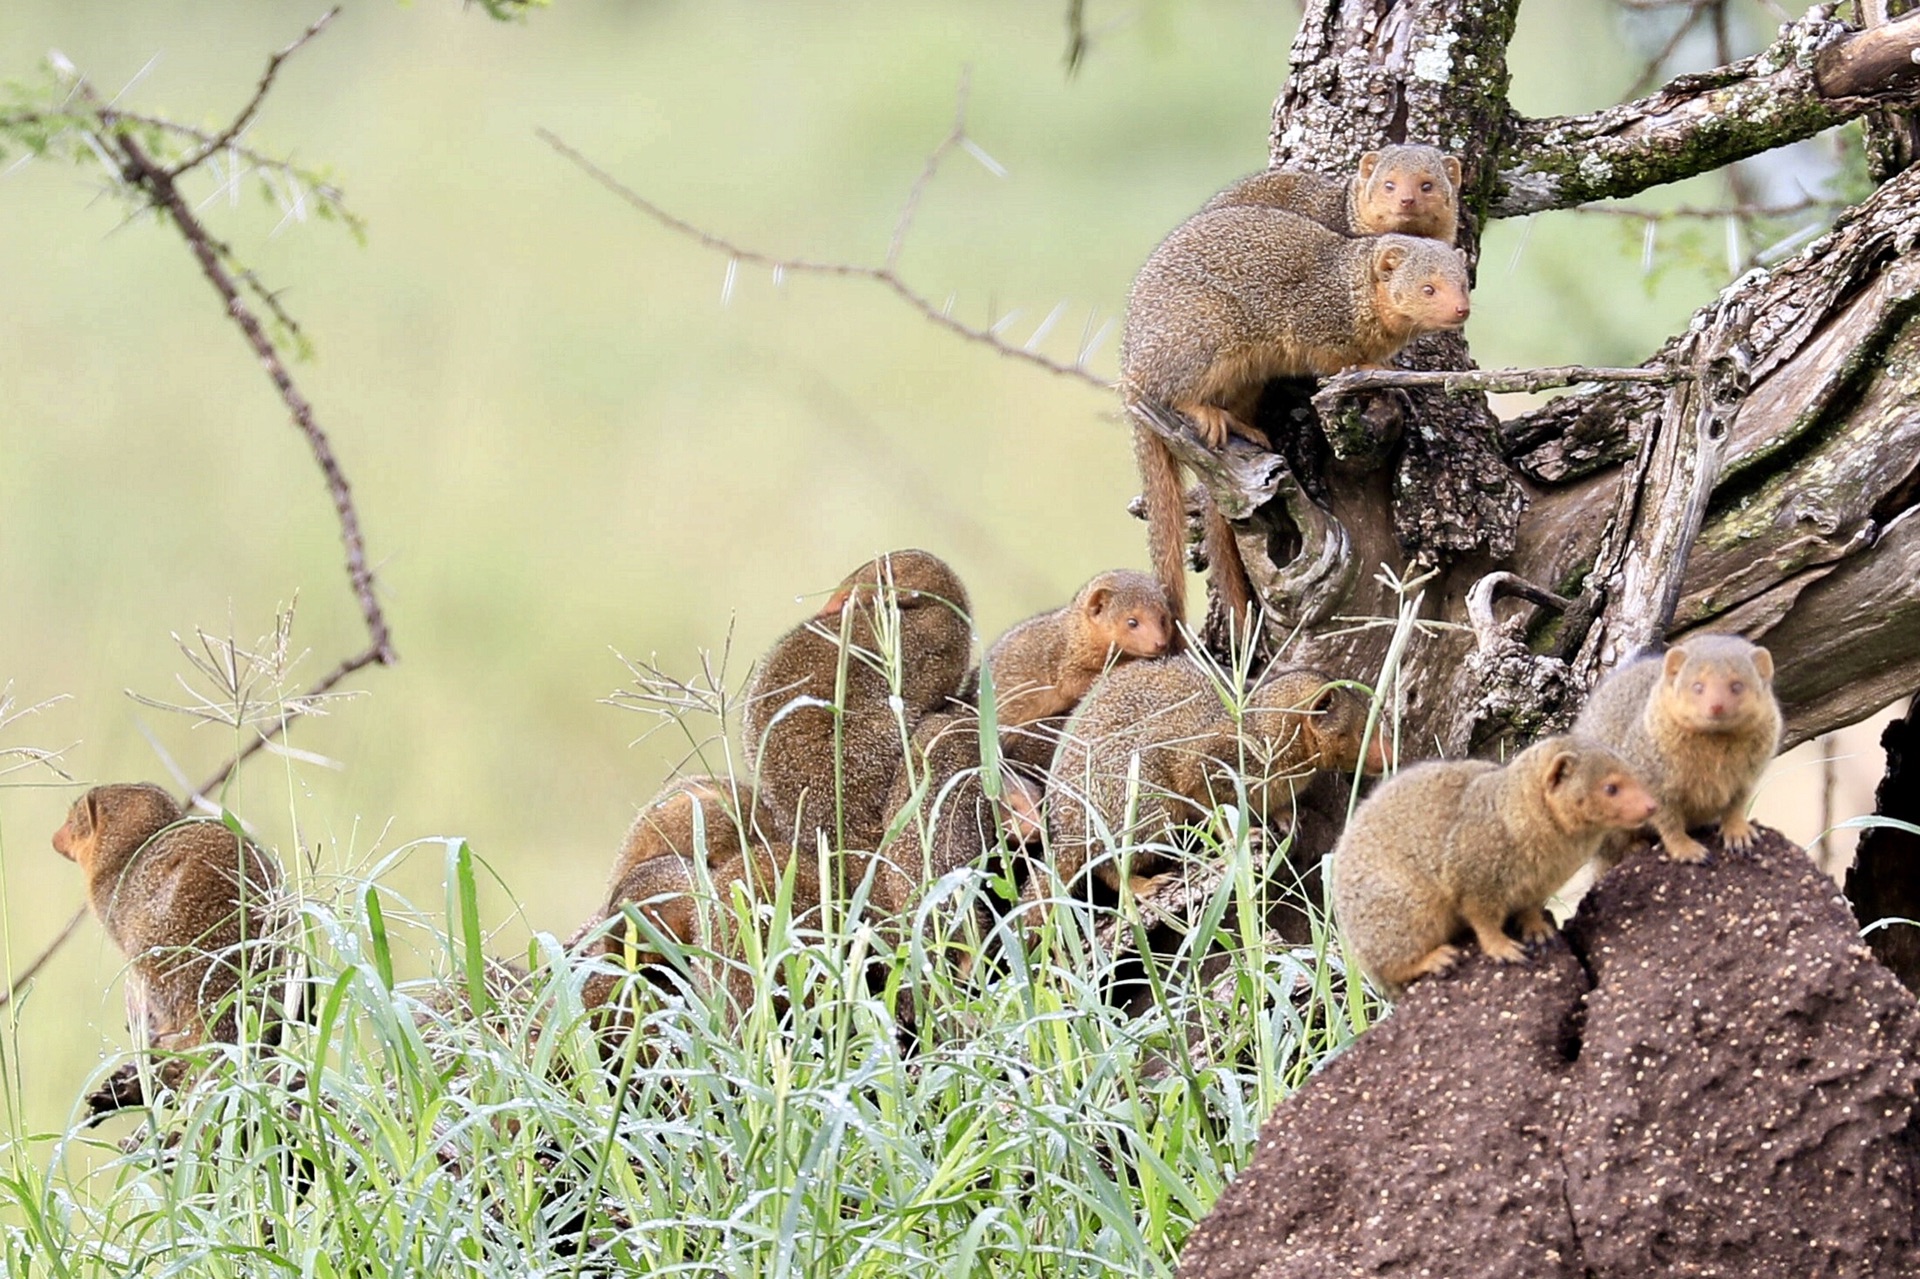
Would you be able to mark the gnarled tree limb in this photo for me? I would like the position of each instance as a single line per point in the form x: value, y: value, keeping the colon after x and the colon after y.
x: 1818, y: 74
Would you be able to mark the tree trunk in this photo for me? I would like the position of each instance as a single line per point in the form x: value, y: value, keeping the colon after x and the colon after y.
x: 1770, y: 490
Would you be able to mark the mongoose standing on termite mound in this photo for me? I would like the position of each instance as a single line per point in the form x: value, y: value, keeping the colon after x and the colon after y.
x: 193, y: 908
x: 1452, y: 846
x: 1175, y: 717
x: 1405, y: 188
x: 905, y: 612
x: 1700, y: 725
x: 1045, y: 665
x: 1237, y: 296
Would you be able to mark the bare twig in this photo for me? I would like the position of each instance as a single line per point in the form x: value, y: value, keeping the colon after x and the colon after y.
x: 1743, y: 211
x: 32, y: 970
x: 240, y: 122
x: 884, y: 274
x: 159, y: 185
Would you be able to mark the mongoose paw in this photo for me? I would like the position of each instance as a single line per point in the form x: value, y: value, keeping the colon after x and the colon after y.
x: 120, y: 1090
x: 1537, y: 929
x: 1685, y: 848
x: 1505, y: 949
x: 1251, y: 434
x: 1145, y: 885
x: 1737, y: 833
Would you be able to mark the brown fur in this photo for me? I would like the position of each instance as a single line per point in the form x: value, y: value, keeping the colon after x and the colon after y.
x: 189, y: 903
x: 1045, y: 665
x: 657, y: 873
x: 1171, y: 714
x: 945, y: 819
x: 1238, y: 295
x: 1452, y: 846
x: 1408, y: 189
x: 1700, y: 724
x: 793, y: 751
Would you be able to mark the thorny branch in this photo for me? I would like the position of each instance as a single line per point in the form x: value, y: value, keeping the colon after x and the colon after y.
x: 886, y: 273
x: 158, y: 184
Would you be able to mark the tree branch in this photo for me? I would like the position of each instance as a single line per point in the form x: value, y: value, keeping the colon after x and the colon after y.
x: 884, y: 274
x: 1818, y: 74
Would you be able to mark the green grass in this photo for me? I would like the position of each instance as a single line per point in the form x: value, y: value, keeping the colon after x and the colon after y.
x: 1061, y: 1109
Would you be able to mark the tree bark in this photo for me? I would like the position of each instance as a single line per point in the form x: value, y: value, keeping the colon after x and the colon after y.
x: 1771, y: 492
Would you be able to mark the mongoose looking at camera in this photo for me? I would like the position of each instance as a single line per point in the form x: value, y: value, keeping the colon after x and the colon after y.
x: 1240, y: 295
x: 1699, y: 724
x: 1449, y: 847
x: 1176, y: 718
x: 191, y: 905
x: 820, y: 772
x: 1406, y: 188
x: 1045, y: 665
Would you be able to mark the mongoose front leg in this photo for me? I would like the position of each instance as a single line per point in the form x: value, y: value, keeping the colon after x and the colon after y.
x: 1736, y: 830
x: 1672, y: 830
x: 1535, y: 925
x: 1489, y: 931
x: 1438, y: 960
x: 1215, y: 423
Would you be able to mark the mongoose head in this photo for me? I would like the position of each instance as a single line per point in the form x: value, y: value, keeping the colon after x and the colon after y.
x: 115, y: 820
x: 1314, y: 722
x: 1718, y: 684
x: 1413, y: 190
x: 1587, y: 787
x: 936, y: 624
x: 1129, y: 609
x: 1419, y: 285
x: 665, y: 827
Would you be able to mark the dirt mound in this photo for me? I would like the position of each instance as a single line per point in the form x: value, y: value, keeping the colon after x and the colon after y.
x: 1709, y: 1076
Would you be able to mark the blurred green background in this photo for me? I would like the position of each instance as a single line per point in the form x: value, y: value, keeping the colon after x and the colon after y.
x: 562, y: 442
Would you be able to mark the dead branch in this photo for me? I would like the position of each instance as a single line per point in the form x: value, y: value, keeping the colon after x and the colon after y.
x: 158, y: 185
x: 885, y: 274
x: 1818, y: 74
x: 1344, y: 385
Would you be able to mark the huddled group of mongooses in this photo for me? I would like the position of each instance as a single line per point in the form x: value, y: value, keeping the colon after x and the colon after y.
x: 863, y: 725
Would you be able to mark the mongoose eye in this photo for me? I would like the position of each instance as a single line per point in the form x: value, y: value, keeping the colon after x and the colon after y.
x: 1699, y: 687
x: 1426, y: 186
x: 1613, y: 788
x: 1737, y: 687
x: 1133, y: 623
x: 1388, y: 185
x: 1427, y: 289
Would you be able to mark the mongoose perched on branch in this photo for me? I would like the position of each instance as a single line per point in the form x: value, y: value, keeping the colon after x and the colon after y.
x: 1178, y: 719
x: 1405, y: 188
x: 1045, y: 665
x: 1452, y: 846
x: 1237, y: 296
x: 822, y: 770
x: 1700, y: 725
x: 192, y: 906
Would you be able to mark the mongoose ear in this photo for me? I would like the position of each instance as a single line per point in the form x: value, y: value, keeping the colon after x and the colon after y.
x: 1388, y: 258
x: 1323, y: 704
x: 836, y: 602
x: 1676, y: 659
x: 1763, y: 664
x: 1097, y: 599
x: 90, y: 807
x: 1020, y: 816
x: 1561, y: 768
x: 1453, y: 171
x: 1368, y: 163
